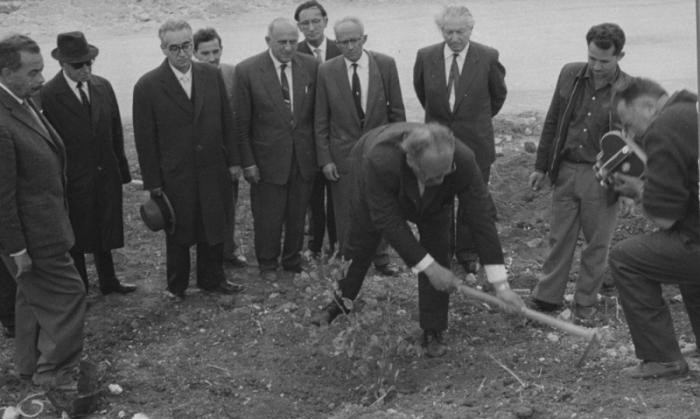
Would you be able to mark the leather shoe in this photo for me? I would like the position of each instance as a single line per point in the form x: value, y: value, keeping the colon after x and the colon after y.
x: 585, y: 313
x: 119, y: 288
x: 543, y: 306
x: 652, y: 369
x: 434, y: 344
x: 237, y: 261
x: 175, y: 296
x: 9, y: 331
x: 470, y: 264
x: 226, y: 287
x: 329, y: 313
x: 387, y: 270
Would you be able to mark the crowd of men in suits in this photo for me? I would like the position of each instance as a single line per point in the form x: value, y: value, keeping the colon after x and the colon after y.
x: 316, y: 127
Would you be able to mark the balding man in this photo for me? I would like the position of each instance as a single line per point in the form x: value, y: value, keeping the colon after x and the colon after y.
x: 408, y: 172
x: 274, y: 105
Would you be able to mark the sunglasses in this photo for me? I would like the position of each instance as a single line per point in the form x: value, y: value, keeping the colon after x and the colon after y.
x: 78, y: 66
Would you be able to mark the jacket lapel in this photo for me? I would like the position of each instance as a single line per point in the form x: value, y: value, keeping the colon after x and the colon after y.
x: 95, y: 101
x: 374, y: 85
x: 198, y: 89
x: 340, y: 72
x: 466, y: 78
x: 272, y: 82
x: 300, y: 87
x: 438, y: 61
x: 172, y: 87
x: 67, y: 98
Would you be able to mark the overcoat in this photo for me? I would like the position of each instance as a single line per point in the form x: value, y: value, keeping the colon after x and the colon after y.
x: 96, y: 163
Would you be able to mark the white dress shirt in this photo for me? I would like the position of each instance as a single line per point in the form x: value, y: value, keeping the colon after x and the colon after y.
x: 461, y: 56
x: 74, y: 87
x: 288, y: 73
x: 185, y: 79
x: 363, y: 74
x: 321, y: 47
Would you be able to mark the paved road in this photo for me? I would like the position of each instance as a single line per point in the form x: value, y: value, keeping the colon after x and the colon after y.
x: 535, y: 37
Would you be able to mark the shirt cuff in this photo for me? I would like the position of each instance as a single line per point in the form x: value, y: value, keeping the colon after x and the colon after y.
x: 20, y: 253
x: 423, y: 264
x: 496, y: 273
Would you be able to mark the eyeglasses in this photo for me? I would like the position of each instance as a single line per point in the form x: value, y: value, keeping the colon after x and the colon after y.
x: 347, y: 42
x: 78, y: 66
x: 307, y: 23
x: 176, y: 48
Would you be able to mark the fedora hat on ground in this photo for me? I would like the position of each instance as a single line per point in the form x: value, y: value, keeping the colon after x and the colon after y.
x: 158, y: 214
x: 73, y: 48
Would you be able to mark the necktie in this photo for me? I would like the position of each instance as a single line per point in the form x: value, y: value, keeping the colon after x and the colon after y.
x: 317, y: 53
x: 452, y: 81
x: 83, y: 97
x: 357, y: 93
x: 285, y: 86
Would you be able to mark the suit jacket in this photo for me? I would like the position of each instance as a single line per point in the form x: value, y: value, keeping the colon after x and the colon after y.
x: 480, y: 94
x: 385, y: 195
x: 33, y: 207
x: 332, y: 50
x: 185, y: 145
x: 337, y: 123
x: 96, y: 163
x: 228, y: 72
x: 268, y: 134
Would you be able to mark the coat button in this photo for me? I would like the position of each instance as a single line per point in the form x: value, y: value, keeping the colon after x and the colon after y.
x: 99, y: 168
x: 199, y: 147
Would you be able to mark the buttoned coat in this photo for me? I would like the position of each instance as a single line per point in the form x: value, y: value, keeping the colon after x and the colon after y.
x: 96, y: 164
x: 33, y: 207
x: 268, y: 133
x: 480, y: 94
x: 337, y: 124
x: 185, y: 146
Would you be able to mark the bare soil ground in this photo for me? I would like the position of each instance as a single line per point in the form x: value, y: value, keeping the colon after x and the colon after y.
x: 254, y: 355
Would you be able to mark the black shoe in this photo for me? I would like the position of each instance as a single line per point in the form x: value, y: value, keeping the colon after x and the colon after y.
x: 9, y: 331
x: 434, y: 344
x: 471, y: 266
x: 329, y: 313
x: 226, y: 287
x: 543, y: 306
x: 237, y: 261
x: 119, y: 288
x: 387, y: 270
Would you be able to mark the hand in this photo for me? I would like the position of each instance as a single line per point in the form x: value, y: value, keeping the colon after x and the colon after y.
x: 235, y: 172
x: 440, y: 278
x: 626, y: 206
x: 331, y: 172
x: 536, y: 180
x: 627, y: 185
x: 513, y: 301
x: 156, y: 192
x: 251, y: 174
x: 23, y: 262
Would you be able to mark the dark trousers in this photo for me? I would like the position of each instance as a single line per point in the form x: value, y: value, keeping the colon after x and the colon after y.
x: 464, y: 245
x: 363, y: 240
x: 322, y: 214
x: 104, y: 264
x: 210, y: 270
x: 8, y: 294
x: 639, y: 266
x: 230, y: 242
x: 276, y: 207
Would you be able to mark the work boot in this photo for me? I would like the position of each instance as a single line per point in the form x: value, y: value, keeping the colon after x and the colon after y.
x: 330, y: 312
x: 433, y: 343
x: 653, y: 369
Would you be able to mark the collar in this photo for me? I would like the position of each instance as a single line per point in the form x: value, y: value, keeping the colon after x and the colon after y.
x: 179, y: 74
x: 588, y: 74
x: 362, y: 62
x: 277, y: 63
x: 20, y: 101
x: 448, y: 53
x: 71, y: 83
x: 321, y: 46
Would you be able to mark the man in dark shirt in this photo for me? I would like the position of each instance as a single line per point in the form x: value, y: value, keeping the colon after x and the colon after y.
x: 577, y: 118
x: 668, y: 127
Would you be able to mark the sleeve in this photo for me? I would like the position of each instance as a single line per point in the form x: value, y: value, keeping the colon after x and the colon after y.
x: 397, y: 112
x: 322, y: 120
x: 497, y: 85
x: 118, y: 136
x: 549, y: 130
x: 382, y: 199
x: 242, y: 116
x: 11, y: 231
x: 146, y: 137
x: 418, y: 82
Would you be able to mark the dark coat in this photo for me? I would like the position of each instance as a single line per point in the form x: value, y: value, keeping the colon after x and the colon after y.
x: 96, y: 164
x: 185, y: 146
x: 385, y: 195
x: 332, y: 49
x: 480, y: 94
x: 33, y: 207
x: 337, y: 123
x: 268, y: 134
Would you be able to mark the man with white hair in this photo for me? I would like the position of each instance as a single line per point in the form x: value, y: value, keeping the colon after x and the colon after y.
x: 461, y: 85
x: 407, y: 172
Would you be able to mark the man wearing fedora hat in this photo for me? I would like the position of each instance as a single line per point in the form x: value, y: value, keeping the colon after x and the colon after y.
x: 184, y: 134
x: 83, y: 109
